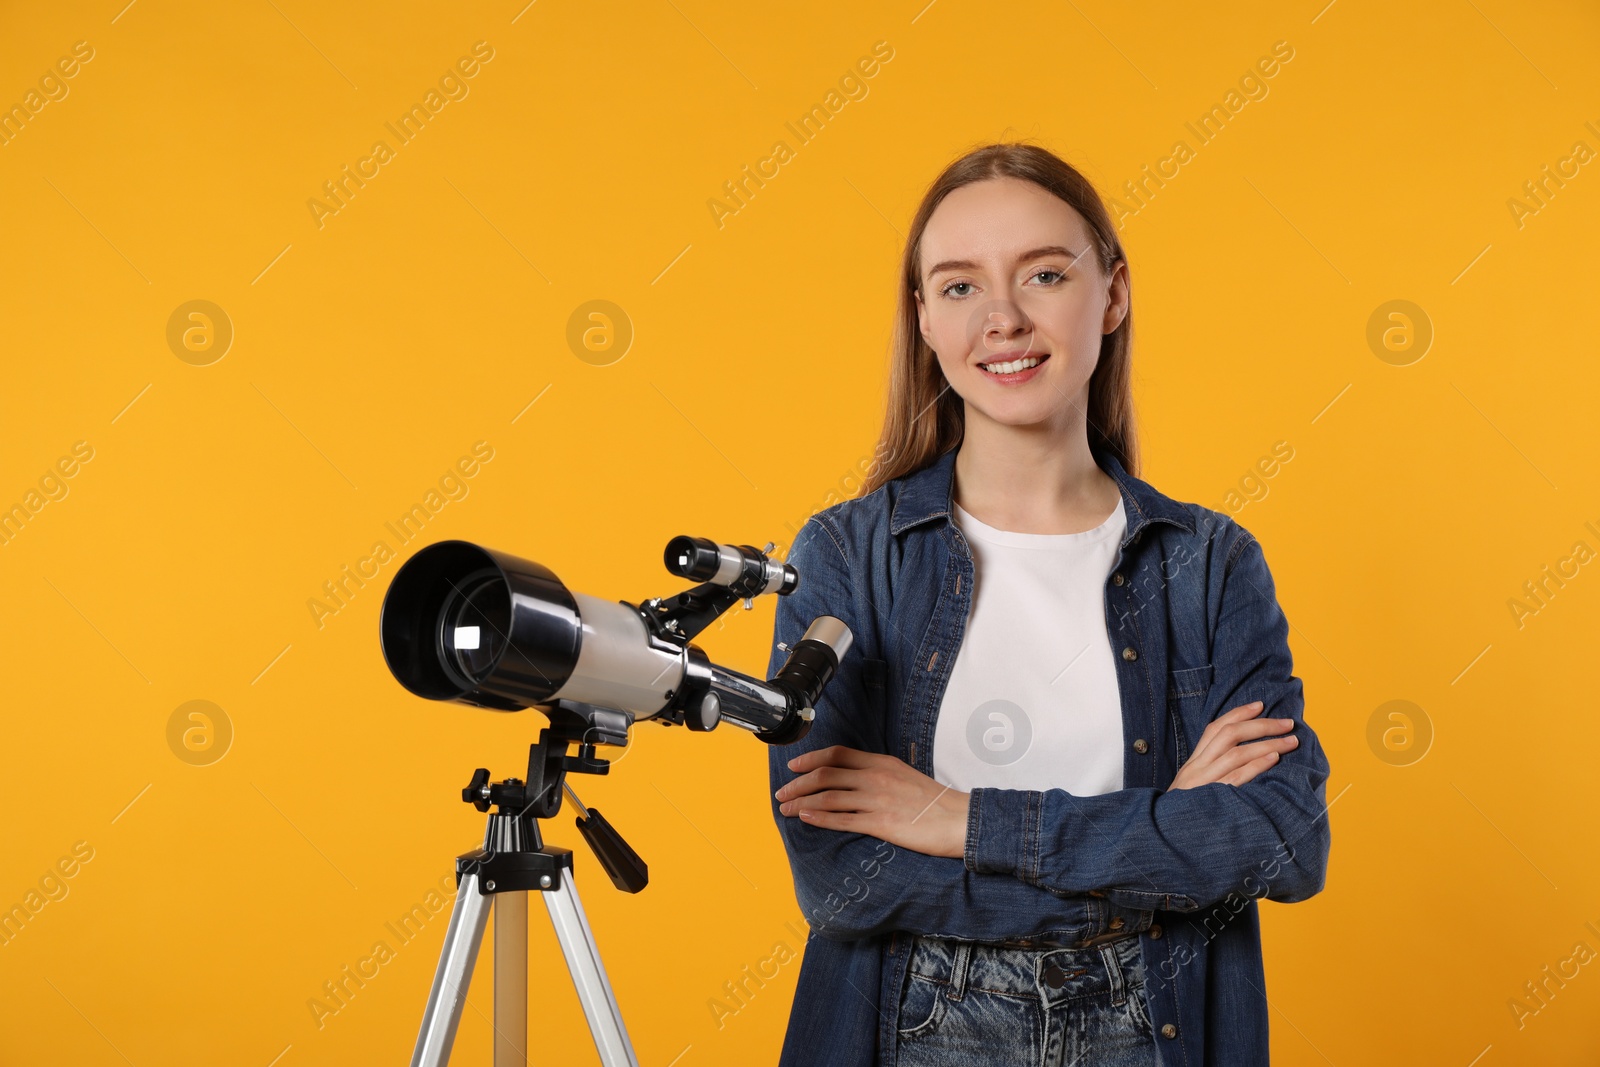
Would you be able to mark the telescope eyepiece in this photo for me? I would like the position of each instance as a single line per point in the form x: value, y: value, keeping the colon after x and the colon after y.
x: 742, y: 568
x: 695, y: 558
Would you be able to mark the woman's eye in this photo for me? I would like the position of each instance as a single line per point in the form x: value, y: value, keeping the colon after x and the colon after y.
x: 949, y: 289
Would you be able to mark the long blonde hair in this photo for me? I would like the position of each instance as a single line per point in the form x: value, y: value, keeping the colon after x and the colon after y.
x: 924, y: 418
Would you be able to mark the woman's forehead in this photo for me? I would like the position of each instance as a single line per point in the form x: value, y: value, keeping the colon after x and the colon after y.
x: 998, y: 221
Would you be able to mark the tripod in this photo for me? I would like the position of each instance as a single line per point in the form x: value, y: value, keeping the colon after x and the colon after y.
x: 515, y: 861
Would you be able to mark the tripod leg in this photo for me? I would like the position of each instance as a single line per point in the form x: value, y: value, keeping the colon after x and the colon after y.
x: 456, y: 960
x: 589, y: 975
x: 511, y: 979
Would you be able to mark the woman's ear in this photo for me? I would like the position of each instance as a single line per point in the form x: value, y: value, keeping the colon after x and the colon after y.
x: 1118, y: 298
x: 922, y: 317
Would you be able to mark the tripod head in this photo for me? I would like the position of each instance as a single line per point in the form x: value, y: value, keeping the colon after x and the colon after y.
x: 523, y: 802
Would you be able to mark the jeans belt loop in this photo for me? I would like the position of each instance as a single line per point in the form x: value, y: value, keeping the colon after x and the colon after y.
x: 958, y: 970
x: 1119, y: 986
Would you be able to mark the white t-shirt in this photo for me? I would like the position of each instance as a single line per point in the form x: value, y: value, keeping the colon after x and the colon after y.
x: 1032, y: 701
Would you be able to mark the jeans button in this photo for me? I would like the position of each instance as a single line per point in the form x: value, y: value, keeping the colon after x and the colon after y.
x: 1155, y: 931
x: 1169, y: 1030
x: 1055, y: 977
x: 1117, y: 579
x: 1141, y: 746
x: 1117, y: 923
x: 1129, y: 654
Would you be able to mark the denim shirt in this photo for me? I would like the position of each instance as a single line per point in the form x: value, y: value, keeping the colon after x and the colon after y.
x: 1193, y: 617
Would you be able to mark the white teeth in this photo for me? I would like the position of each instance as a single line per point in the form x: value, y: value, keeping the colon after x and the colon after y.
x: 1013, y: 366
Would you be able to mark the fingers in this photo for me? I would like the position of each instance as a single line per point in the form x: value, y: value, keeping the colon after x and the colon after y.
x: 827, y: 800
x: 1235, y: 747
x: 838, y: 820
x: 834, y: 767
x: 1267, y: 726
x: 828, y: 776
x: 1240, y: 724
x: 1251, y: 769
x: 835, y: 755
x: 828, y: 796
x: 1246, y: 755
x: 1243, y: 711
x: 1208, y: 736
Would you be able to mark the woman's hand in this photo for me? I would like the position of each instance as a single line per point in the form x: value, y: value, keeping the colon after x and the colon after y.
x: 1222, y: 755
x: 841, y: 788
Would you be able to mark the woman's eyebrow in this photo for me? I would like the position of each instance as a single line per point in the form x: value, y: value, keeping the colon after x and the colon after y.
x: 967, y: 264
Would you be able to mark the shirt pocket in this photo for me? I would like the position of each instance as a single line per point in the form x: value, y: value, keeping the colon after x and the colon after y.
x: 1186, y: 701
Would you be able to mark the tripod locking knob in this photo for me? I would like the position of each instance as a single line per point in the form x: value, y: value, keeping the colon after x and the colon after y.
x: 475, y: 793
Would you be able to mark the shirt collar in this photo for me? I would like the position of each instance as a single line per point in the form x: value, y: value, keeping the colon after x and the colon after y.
x: 925, y: 494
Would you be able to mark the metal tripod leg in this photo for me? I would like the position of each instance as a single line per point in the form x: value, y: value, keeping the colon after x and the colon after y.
x: 459, y: 956
x: 589, y: 975
x: 456, y: 960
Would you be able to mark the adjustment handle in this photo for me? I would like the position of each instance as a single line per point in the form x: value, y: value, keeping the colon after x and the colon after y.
x: 628, y: 872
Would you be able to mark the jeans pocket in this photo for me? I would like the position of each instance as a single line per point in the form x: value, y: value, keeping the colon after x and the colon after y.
x: 922, y: 1005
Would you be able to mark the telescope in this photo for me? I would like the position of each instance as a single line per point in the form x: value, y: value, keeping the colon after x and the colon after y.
x: 473, y: 625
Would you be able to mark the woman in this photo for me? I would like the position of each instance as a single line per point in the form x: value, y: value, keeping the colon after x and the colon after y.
x: 1066, y: 751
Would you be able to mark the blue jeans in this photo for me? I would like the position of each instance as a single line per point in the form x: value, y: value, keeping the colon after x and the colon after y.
x: 964, y: 1002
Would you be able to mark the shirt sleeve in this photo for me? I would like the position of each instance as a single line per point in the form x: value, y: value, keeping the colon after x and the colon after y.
x: 852, y: 885
x: 1185, y: 849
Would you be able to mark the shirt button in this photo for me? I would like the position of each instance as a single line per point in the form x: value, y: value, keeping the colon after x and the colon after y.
x: 1129, y: 654
x: 1116, y: 922
x: 1169, y: 1030
x: 1116, y: 579
x: 1155, y: 931
x: 1141, y: 746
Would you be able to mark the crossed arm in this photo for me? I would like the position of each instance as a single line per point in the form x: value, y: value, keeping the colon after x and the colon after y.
x: 1000, y: 863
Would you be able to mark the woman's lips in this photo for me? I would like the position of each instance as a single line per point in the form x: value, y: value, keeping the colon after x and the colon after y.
x: 1016, y: 377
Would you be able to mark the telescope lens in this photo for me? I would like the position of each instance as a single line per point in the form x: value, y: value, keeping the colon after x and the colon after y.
x: 474, y: 623
x: 466, y: 623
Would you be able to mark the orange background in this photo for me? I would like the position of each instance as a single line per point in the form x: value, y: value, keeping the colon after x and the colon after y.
x: 374, y: 346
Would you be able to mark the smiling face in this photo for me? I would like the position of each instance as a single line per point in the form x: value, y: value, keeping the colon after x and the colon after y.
x: 1009, y: 270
